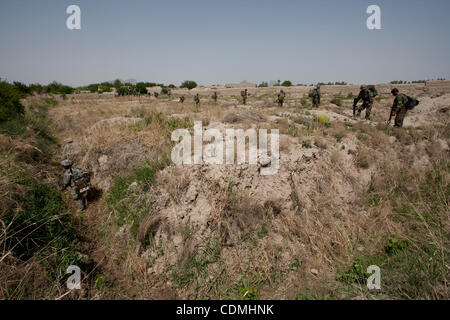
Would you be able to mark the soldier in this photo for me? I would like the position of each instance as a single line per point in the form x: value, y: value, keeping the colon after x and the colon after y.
x: 367, y: 97
x: 314, y: 94
x: 244, y: 95
x: 281, y: 96
x: 79, y: 183
x: 169, y: 93
x: 197, y: 100
x: 182, y: 99
x: 156, y: 94
x: 214, y: 96
x: 399, y: 108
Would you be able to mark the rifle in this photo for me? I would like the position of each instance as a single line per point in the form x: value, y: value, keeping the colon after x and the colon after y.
x: 355, y: 101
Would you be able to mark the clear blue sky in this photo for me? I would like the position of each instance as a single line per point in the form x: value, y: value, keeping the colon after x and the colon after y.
x: 212, y: 41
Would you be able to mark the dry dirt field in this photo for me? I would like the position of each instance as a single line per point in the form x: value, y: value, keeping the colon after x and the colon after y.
x: 349, y: 193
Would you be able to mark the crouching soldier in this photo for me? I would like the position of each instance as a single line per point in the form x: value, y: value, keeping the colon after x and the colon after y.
x: 79, y: 182
x: 181, y: 99
x: 367, y: 95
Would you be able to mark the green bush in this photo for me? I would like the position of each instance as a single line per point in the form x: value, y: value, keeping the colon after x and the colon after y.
x: 189, y: 84
x: 287, y: 83
x: 263, y: 85
x: 141, y: 88
x: 336, y: 101
x: 323, y: 120
x: 10, y: 106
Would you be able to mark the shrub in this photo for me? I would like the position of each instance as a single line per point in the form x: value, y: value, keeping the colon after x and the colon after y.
x: 323, y: 120
x: 189, y: 84
x: 287, y: 83
x: 337, y: 101
x: 10, y: 106
x: 22, y: 88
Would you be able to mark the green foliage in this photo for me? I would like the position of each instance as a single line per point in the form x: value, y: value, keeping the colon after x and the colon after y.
x: 287, y: 83
x: 189, y: 84
x: 122, y: 197
x: 355, y: 274
x: 292, y: 130
x: 394, y: 245
x: 306, y: 144
x: 263, y: 85
x: 58, y: 88
x: 323, y: 120
x: 178, y: 123
x: 10, y: 106
x: 337, y: 101
x: 141, y: 88
x: 304, y: 101
x: 247, y: 292
x: 311, y: 295
x: 22, y: 88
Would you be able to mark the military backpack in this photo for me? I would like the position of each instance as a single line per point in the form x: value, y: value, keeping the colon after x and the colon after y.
x: 372, y: 90
x: 411, y: 103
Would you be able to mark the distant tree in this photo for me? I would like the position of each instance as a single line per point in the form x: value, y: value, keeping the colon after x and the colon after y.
x: 263, y: 85
x: 36, y: 87
x: 23, y: 88
x: 286, y: 83
x: 141, y: 87
x: 93, y: 87
x: 172, y: 86
x: 189, y: 84
x: 58, y: 88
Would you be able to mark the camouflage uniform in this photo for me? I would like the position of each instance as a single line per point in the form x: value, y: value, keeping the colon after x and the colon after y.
x: 214, y: 96
x: 169, y: 93
x: 182, y: 99
x: 281, y: 96
x: 399, y: 109
x: 244, y: 96
x: 69, y: 181
x: 156, y: 94
x: 366, y: 96
x: 314, y: 94
x: 197, y: 100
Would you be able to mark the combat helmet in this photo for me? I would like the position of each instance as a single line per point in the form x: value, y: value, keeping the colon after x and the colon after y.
x: 66, y: 163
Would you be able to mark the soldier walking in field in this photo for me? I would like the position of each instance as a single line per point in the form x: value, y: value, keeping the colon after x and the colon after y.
x: 197, y: 100
x: 314, y: 94
x: 79, y: 182
x: 281, y: 97
x: 214, y: 96
x: 244, y: 95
